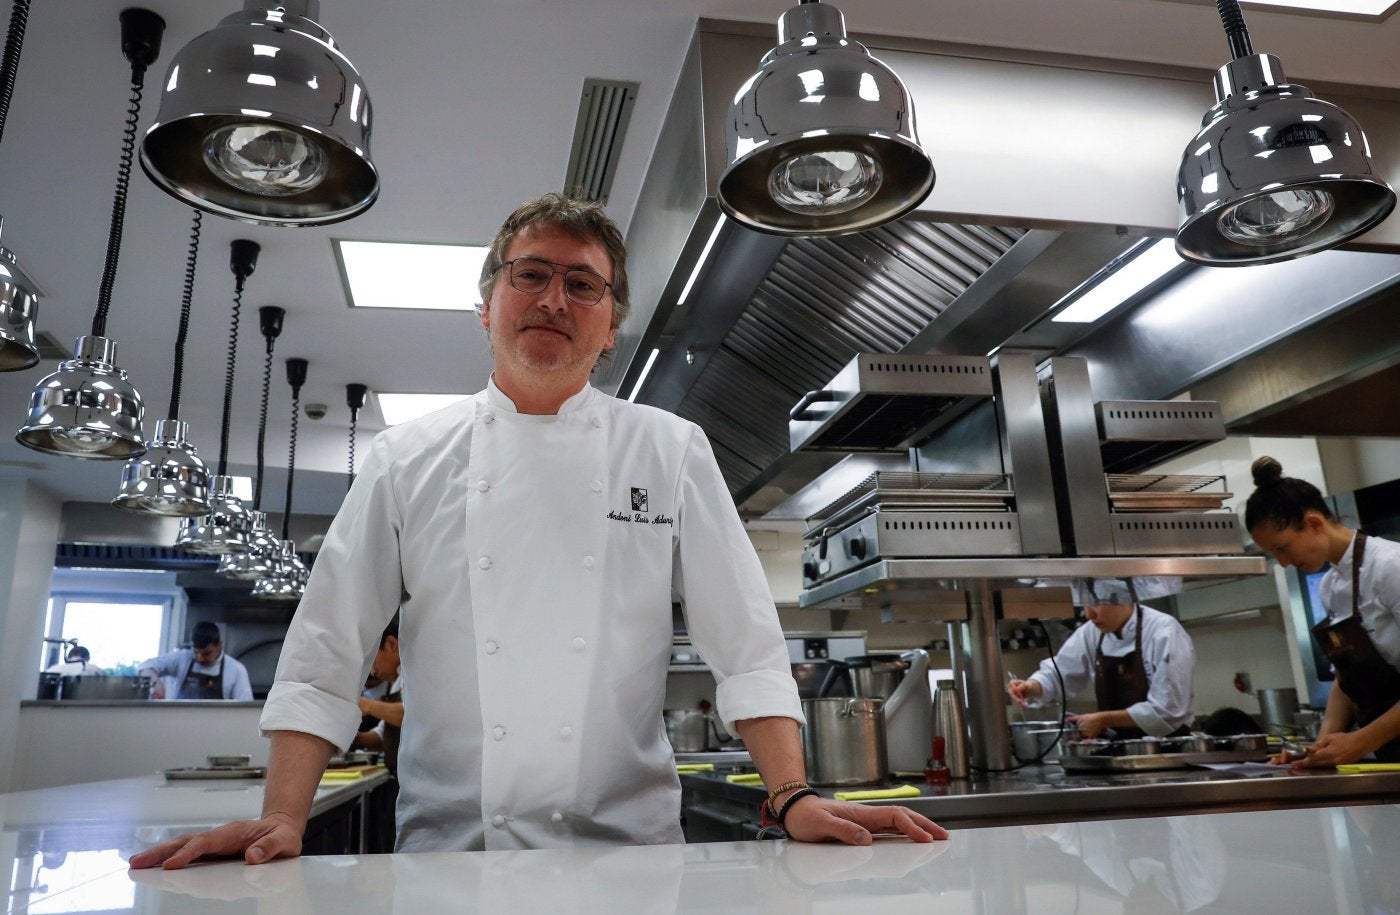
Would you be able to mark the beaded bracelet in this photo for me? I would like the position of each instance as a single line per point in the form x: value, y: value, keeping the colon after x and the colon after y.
x: 787, y: 786
x: 792, y: 799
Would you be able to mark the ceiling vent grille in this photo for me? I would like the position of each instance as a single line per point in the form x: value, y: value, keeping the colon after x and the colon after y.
x: 49, y: 347
x: 604, y: 109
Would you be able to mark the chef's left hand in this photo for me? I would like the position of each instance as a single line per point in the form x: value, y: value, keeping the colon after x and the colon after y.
x: 1333, y: 750
x: 817, y: 819
x: 1091, y: 725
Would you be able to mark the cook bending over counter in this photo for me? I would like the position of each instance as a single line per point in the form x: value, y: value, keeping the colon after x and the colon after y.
x: 1289, y: 520
x: 1138, y: 660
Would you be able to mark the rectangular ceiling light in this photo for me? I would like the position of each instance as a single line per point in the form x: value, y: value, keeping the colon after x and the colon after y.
x: 1140, y: 268
x: 1376, y: 10
x: 400, y: 408
x: 384, y: 274
x: 642, y: 378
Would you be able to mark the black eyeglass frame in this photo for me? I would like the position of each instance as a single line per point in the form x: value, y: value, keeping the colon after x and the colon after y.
x: 555, y: 269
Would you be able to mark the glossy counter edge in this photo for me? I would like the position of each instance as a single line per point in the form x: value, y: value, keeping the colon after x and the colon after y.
x: 139, y: 703
x: 1028, y: 802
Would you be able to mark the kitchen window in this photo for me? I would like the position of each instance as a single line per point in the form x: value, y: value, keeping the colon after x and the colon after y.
x: 122, y: 618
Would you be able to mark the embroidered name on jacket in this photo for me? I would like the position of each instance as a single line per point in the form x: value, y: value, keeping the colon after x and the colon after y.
x: 640, y: 518
x: 639, y: 511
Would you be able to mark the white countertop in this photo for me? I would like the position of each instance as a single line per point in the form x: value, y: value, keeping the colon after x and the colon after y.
x: 1311, y: 860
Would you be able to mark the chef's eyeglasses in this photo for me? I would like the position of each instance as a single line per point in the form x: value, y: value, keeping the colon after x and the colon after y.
x: 533, y: 275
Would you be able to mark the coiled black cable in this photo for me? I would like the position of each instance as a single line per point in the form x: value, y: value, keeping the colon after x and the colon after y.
x: 262, y: 423
x: 1235, y: 31
x: 350, y: 473
x: 186, y: 297
x: 230, y: 370
x: 114, y: 231
x: 9, y: 62
x: 1064, y: 715
x: 291, y: 461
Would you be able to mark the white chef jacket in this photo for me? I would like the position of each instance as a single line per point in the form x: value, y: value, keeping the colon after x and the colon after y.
x: 179, y: 663
x: 1380, y: 594
x: 533, y: 560
x: 1168, y: 658
x: 76, y: 669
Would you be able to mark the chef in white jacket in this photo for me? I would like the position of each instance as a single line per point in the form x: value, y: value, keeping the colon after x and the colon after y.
x: 1138, y: 661
x: 531, y: 537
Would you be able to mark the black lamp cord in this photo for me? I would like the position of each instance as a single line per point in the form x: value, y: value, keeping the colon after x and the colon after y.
x: 9, y: 63
x: 291, y: 460
x: 183, y: 335
x: 229, y: 371
x: 350, y: 474
x: 1235, y: 32
x: 262, y: 420
x: 1039, y: 758
x: 114, y: 232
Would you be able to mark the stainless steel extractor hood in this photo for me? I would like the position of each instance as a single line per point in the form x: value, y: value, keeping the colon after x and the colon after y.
x: 744, y: 324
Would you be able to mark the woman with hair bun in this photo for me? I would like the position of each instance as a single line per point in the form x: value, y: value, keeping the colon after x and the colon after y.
x: 1290, y: 521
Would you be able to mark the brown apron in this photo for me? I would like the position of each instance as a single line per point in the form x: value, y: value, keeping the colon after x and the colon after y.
x: 202, y: 686
x: 1368, y: 680
x: 391, y: 737
x: 1121, y: 682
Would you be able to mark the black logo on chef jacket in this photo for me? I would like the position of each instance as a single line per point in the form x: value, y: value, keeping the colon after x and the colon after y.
x: 640, y: 511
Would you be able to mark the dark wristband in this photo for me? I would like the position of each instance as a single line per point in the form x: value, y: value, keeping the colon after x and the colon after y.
x: 792, y: 799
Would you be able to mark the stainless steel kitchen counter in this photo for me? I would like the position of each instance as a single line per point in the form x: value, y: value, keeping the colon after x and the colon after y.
x: 1047, y: 794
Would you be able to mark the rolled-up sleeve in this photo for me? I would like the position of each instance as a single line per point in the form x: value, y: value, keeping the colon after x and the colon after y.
x: 1075, y: 661
x: 1172, y: 658
x: 354, y: 590
x: 725, y: 596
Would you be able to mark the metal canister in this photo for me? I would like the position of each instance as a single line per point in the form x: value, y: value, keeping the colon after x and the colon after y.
x: 948, y: 723
x: 844, y: 741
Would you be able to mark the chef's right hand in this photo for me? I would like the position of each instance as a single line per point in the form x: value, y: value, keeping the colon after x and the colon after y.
x: 257, y: 841
x: 157, y: 689
x: 1022, y: 690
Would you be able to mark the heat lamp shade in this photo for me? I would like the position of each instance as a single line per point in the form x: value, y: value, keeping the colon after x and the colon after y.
x: 260, y: 558
x: 224, y: 529
x: 269, y: 91
x: 824, y: 118
x: 86, y: 409
x: 169, y: 479
x: 1271, y: 152
x: 19, y: 305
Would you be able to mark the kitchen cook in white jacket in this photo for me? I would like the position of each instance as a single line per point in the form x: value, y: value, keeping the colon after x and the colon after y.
x: 531, y: 537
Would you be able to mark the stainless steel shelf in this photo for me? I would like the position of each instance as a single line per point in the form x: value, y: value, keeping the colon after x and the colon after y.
x: 890, y: 582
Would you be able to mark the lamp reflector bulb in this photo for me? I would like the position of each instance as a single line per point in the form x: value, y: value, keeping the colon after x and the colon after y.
x: 825, y: 183
x: 265, y: 159
x: 1271, y: 218
x: 82, y: 439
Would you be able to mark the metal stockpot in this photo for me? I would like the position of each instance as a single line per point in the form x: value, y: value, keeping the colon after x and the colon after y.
x: 79, y: 687
x: 844, y: 741
x: 685, y: 728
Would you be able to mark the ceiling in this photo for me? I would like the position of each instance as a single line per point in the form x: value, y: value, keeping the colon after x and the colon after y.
x: 474, y: 110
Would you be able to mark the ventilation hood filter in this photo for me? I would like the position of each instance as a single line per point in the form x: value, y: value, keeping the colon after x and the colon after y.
x: 887, y: 402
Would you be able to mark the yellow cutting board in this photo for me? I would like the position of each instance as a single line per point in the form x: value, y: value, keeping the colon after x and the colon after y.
x: 1355, y: 768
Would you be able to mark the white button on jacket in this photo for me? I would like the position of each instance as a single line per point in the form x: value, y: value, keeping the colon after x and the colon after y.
x: 599, y: 639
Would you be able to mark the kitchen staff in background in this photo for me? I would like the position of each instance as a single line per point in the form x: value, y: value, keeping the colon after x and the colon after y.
x: 532, y: 536
x: 1138, y: 660
x: 1289, y: 520
x: 78, y: 662
x: 204, y: 671
x: 388, y: 709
